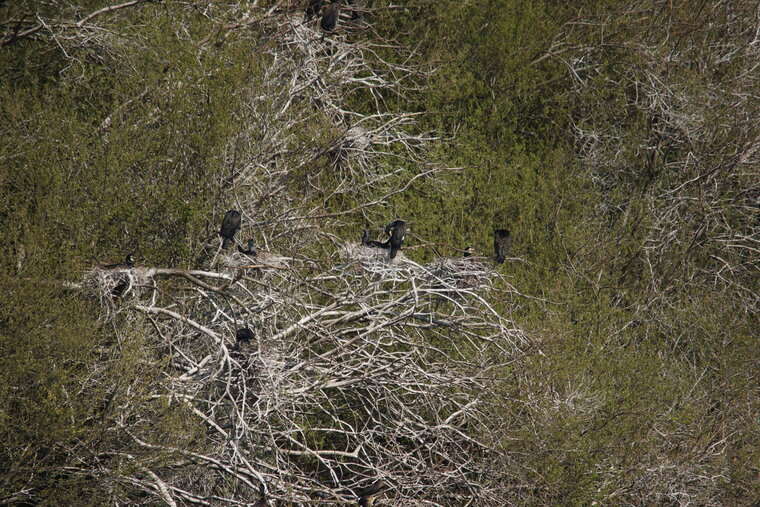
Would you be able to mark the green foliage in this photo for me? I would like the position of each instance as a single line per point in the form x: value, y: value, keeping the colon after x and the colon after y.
x: 646, y: 352
x: 643, y: 364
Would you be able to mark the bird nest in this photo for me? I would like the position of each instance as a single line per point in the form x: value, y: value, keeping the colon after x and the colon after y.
x: 111, y: 285
x: 234, y: 262
x: 374, y: 259
x: 459, y: 273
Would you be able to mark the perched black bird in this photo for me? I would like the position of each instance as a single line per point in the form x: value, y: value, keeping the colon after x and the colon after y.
x: 357, y: 13
x: 502, y: 242
x: 262, y: 501
x: 230, y: 225
x: 330, y: 17
x: 313, y: 9
x: 367, y: 495
x: 397, y: 229
x: 371, y: 242
x: 469, y: 251
x: 129, y: 262
x: 244, y: 335
x: 250, y: 251
x: 120, y: 289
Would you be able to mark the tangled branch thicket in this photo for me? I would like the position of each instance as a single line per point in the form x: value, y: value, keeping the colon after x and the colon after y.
x: 360, y: 371
x: 690, y: 142
x: 357, y: 368
x: 363, y: 157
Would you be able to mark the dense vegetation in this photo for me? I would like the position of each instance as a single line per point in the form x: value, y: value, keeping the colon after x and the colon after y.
x: 618, y: 141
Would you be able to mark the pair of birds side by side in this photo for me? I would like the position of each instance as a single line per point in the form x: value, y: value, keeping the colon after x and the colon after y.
x: 230, y: 225
x: 397, y: 231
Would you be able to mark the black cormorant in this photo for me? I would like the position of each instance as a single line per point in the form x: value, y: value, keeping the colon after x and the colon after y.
x: 502, y: 242
x: 250, y: 251
x: 313, y: 9
x: 120, y: 289
x: 397, y: 229
x: 244, y: 335
x: 129, y: 262
x: 367, y: 495
x: 230, y: 225
x: 330, y: 17
x: 262, y: 501
x: 371, y: 242
x: 357, y: 13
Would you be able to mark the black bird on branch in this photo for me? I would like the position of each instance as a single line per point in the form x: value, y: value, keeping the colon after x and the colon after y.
x: 230, y: 226
x: 469, y: 251
x: 367, y: 495
x: 244, y: 343
x: 397, y: 230
x: 330, y: 18
x: 502, y: 242
x: 313, y: 9
x: 262, y: 501
x: 357, y: 13
x: 129, y: 262
x: 244, y: 335
x: 371, y: 242
x: 251, y: 251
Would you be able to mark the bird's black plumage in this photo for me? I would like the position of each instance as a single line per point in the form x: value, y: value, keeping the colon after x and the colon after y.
x: 367, y: 495
x: 313, y: 9
x: 230, y: 225
x: 120, y: 289
x: 468, y: 251
x: 330, y: 17
x: 502, y: 242
x: 244, y: 335
x: 251, y: 251
x: 371, y: 242
x: 129, y: 262
x: 262, y: 501
x: 357, y: 12
x: 397, y: 229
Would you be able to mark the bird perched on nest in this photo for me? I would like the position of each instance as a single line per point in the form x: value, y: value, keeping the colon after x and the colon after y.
x: 357, y: 12
x: 367, y: 495
x: 330, y: 18
x: 469, y: 251
x: 251, y: 251
x: 243, y: 338
x: 230, y: 226
x: 313, y: 9
x: 262, y: 501
x: 371, y: 242
x: 502, y: 242
x: 129, y: 262
x: 397, y: 230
